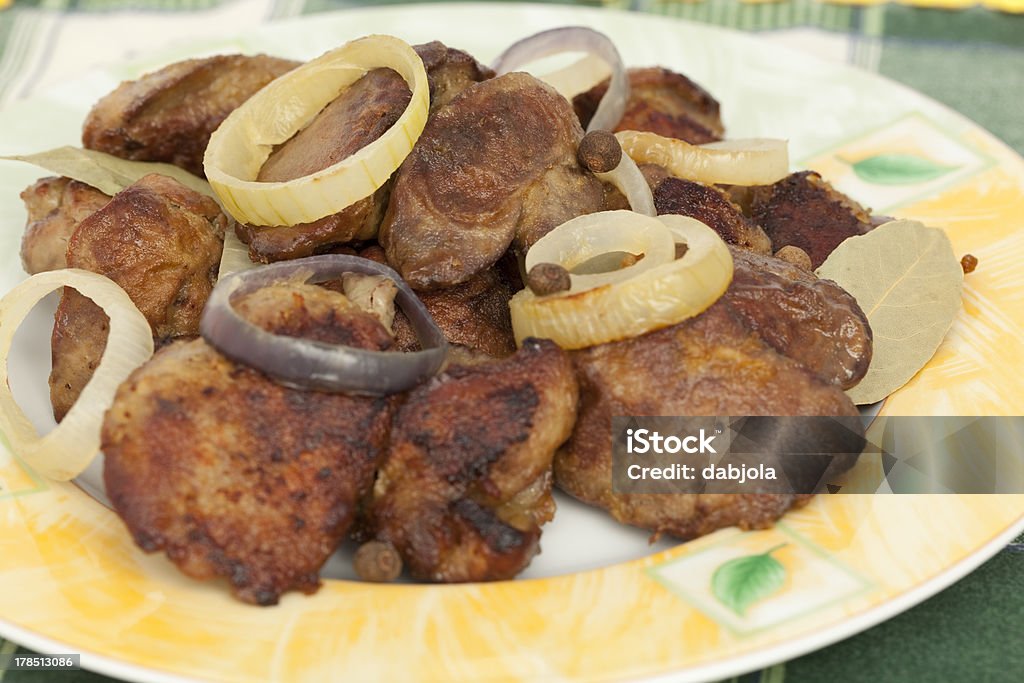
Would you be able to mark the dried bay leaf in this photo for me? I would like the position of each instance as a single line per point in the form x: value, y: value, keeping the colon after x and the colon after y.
x: 107, y: 173
x: 908, y: 282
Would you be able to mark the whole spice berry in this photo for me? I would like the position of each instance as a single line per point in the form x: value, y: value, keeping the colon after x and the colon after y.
x: 795, y: 255
x: 599, y: 151
x: 969, y: 262
x: 548, y: 278
x: 377, y: 561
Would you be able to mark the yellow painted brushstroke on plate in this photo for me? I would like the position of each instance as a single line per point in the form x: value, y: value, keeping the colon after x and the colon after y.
x: 83, y: 581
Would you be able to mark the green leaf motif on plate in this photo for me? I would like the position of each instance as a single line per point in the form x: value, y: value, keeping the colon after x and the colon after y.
x: 740, y: 583
x: 899, y: 169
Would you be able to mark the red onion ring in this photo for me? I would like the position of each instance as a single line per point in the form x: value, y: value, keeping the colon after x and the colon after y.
x: 308, y: 364
x: 575, y: 39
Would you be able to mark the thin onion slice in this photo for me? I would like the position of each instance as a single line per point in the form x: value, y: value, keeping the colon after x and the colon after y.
x: 308, y: 364
x: 754, y: 161
x: 67, y: 450
x: 630, y: 181
x: 580, y: 76
x: 650, y: 300
x: 575, y: 39
x: 244, y: 141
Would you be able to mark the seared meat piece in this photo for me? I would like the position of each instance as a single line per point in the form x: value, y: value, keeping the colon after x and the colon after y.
x: 55, y: 208
x: 662, y: 102
x: 803, y: 210
x: 161, y: 242
x: 474, y: 314
x: 169, y: 115
x: 497, y: 164
x: 708, y: 365
x: 357, y: 117
x: 467, y: 481
x: 712, y: 207
x: 449, y: 71
x: 812, y: 321
x: 235, y: 476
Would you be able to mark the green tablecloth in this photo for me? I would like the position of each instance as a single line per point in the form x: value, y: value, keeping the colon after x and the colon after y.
x: 972, y: 60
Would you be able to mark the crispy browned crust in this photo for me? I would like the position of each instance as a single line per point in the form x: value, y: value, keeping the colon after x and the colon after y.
x: 474, y: 314
x: 712, y: 207
x: 55, y: 207
x: 357, y: 117
x: 804, y: 211
x: 161, y: 242
x: 812, y: 321
x: 497, y: 164
x: 663, y: 102
x: 708, y: 365
x: 449, y: 72
x: 169, y: 115
x: 466, y: 484
x: 235, y: 476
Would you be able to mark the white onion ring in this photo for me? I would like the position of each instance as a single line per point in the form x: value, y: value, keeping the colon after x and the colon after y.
x: 308, y: 364
x: 629, y: 302
x: 578, y: 77
x: 245, y: 139
x: 582, y: 238
x: 575, y: 39
x: 67, y: 450
x: 630, y: 181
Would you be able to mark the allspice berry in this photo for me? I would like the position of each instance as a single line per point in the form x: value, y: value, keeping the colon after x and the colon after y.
x: 548, y: 278
x: 599, y: 151
x: 795, y: 255
x: 377, y: 561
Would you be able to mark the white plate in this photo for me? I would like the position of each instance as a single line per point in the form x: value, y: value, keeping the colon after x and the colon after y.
x: 81, y: 586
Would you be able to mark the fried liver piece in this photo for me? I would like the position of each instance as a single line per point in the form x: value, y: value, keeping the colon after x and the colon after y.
x: 473, y: 314
x: 708, y: 365
x: 55, y: 207
x: 161, y: 242
x: 712, y: 207
x: 804, y: 210
x: 169, y: 115
x: 497, y: 164
x: 357, y: 117
x: 812, y: 321
x: 663, y: 102
x: 233, y: 475
x: 449, y: 72
x: 466, y: 484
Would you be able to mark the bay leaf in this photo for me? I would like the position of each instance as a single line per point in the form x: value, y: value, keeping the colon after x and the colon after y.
x: 899, y: 169
x: 741, y: 582
x: 235, y: 255
x: 908, y: 282
x: 105, y: 172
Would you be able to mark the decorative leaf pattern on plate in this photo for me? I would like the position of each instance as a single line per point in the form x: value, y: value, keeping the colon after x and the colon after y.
x: 898, y: 169
x: 105, y: 172
x: 741, y: 582
x: 908, y: 283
